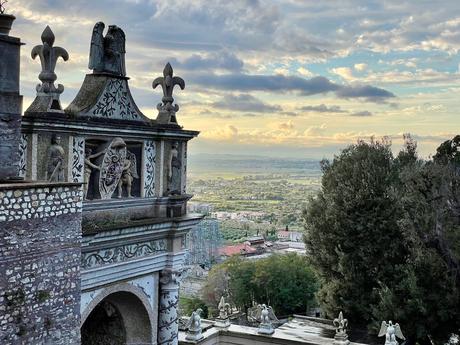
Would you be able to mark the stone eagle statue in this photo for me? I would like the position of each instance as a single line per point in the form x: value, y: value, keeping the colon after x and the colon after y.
x: 391, y: 332
x: 107, y: 54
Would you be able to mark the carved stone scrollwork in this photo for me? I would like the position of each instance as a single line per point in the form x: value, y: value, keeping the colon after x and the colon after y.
x: 149, y: 169
x: 78, y: 159
x: 116, y: 102
x: 122, y: 253
x: 23, y: 155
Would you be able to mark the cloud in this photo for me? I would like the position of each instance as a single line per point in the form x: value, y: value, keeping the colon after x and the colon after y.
x: 246, y: 102
x: 281, y: 83
x: 344, y: 72
x: 367, y: 92
x: 222, y: 60
x: 286, y: 126
x: 304, y: 72
x: 360, y: 67
x: 322, y: 108
x: 361, y: 113
x: 315, y: 131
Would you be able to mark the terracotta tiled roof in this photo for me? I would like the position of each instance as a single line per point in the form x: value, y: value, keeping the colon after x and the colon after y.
x: 237, y: 249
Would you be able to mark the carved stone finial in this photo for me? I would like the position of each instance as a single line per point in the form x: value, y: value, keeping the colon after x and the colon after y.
x: 2, y: 6
x: 341, y: 336
x: 47, y: 93
x: 167, y: 111
x: 224, y: 311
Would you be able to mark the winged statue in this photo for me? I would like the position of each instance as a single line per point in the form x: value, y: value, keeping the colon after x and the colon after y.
x: 391, y: 332
x: 194, y: 326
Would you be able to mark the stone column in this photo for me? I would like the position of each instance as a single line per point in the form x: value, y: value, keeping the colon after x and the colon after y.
x: 168, y: 322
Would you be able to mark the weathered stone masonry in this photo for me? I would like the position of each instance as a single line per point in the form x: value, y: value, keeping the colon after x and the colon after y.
x: 40, y: 263
x: 38, y: 202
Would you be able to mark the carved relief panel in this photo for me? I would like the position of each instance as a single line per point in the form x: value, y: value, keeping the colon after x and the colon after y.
x: 173, y: 168
x: 112, y: 169
x: 50, y: 157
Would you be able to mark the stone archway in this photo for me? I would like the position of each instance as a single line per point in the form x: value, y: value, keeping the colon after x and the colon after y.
x: 118, y: 318
x: 104, y: 326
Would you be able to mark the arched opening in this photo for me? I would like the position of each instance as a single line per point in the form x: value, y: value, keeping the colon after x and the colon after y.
x: 120, y: 318
x: 104, y: 326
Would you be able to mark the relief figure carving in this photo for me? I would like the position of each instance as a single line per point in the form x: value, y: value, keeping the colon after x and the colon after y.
x: 55, y: 160
x: 174, y: 170
x: 89, y: 166
x: 128, y: 175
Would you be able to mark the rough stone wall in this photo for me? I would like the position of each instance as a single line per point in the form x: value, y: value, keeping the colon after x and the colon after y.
x: 10, y: 106
x: 40, y: 234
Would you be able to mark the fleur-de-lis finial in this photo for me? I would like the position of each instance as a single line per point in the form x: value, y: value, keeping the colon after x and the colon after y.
x: 340, y: 324
x: 167, y: 82
x: 341, y: 336
x: 2, y: 6
x: 48, y: 59
x: 47, y: 93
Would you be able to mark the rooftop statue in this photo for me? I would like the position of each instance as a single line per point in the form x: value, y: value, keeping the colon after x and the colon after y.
x: 194, y: 326
x: 107, y: 54
x: 391, y: 332
x: 265, y: 315
x: 454, y: 339
x: 341, y: 324
x: 167, y: 111
x: 47, y: 93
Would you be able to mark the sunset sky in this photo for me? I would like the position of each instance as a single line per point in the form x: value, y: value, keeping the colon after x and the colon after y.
x: 292, y: 78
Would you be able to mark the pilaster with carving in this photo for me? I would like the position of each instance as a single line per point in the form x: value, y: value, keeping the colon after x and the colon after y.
x: 184, y: 168
x: 23, y: 155
x: 168, y: 322
x: 78, y: 159
x: 149, y: 168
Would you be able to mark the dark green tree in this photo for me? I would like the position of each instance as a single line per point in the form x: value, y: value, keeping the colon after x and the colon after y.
x: 383, y: 234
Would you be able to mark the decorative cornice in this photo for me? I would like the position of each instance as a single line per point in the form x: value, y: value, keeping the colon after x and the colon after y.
x: 123, y: 253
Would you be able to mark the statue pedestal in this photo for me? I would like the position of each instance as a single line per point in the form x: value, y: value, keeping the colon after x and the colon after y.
x: 194, y: 335
x: 341, y: 339
x: 222, y: 323
x: 265, y: 328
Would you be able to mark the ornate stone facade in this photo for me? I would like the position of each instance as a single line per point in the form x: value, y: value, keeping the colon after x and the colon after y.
x: 103, y: 225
